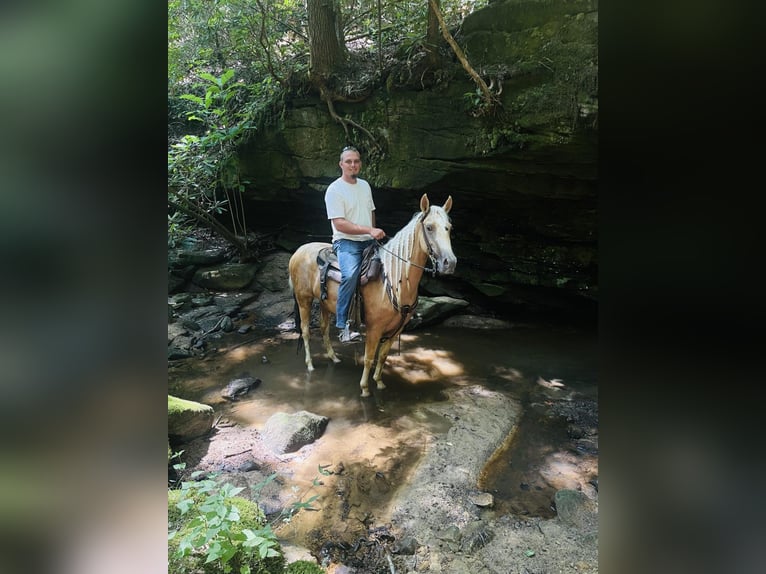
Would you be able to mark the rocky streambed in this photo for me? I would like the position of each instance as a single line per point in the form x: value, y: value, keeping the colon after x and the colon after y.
x: 414, y: 508
x: 400, y: 479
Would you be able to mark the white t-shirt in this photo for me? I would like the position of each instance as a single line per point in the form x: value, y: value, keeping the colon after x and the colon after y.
x: 352, y: 202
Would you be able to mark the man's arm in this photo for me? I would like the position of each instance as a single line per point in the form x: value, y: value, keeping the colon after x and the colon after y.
x: 345, y: 226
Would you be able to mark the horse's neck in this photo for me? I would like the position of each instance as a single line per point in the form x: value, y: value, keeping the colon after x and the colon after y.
x: 404, y: 262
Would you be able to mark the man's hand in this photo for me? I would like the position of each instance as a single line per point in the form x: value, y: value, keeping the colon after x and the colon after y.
x: 377, y: 233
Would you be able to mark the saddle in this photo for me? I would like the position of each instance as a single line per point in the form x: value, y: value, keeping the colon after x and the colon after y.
x: 327, y: 261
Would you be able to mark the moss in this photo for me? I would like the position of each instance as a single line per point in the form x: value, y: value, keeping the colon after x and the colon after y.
x: 251, y: 516
x: 176, y: 405
x: 304, y: 567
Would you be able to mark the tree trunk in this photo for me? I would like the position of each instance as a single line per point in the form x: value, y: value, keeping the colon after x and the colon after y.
x: 325, y: 38
x: 433, y: 36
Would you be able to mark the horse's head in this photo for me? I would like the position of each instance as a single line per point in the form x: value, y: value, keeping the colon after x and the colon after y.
x: 435, y: 239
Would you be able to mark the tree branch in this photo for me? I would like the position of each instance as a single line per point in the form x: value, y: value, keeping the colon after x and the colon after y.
x: 206, y: 219
x: 265, y: 46
x: 489, y: 99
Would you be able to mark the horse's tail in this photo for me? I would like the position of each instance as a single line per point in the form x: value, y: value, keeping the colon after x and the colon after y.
x: 297, y: 313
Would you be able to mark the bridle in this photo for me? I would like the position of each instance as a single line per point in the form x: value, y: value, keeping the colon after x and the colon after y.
x: 433, y: 270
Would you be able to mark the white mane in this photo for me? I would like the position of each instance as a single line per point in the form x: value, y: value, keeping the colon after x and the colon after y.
x: 396, y: 254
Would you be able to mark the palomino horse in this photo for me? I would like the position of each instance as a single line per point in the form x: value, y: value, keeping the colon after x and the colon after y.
x: 388, y: 302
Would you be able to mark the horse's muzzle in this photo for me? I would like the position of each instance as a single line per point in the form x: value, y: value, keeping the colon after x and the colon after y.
x: 446, y: 265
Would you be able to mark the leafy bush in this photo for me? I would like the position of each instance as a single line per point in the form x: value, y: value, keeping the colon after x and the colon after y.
x: 212, y: 530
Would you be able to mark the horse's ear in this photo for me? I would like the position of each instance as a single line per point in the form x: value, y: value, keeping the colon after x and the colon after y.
x: 424, y: 203
x: 448, y: 204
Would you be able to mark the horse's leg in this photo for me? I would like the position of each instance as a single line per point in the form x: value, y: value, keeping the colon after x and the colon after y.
x: 305, y: 312
x: 324, y: 321
x: 385, y: 347
x: 370, y: 347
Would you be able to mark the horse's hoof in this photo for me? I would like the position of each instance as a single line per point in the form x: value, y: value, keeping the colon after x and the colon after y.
x: 335, y: 360
x: 381, y: 385
x: 365, y: 393
x: 309, y: 368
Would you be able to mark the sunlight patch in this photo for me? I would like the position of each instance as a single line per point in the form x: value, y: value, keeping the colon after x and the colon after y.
x: 421, y: 365
x: 564, y: 470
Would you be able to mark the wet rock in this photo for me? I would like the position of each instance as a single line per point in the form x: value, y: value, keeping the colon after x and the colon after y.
x: 431, y: 310
x: 407, y: 545
x: 226, y: 277
x: 285, y: 432
x: 483, y: 499
x: 188, y: 419
x: 272, y: 307
x: 476, y: 535
x: 176, y: 330
x: 227, y: 325
x: 190, y: 325
x: 174, y: 353
x: 230, y: 299
x: 575, y: 508
x: 202, y: 300
x: 450, y: 538
x: 271, y: 273
x: 180, y: 301
x: 239, y: 387
x: 450, y: 534
x: 210, y: 324
x: 477, y: 322
x: 433, y: 493
x: 199, y: 257
x: 248, y: 466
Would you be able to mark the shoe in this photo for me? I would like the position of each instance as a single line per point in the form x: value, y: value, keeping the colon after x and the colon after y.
x: 348, y: 336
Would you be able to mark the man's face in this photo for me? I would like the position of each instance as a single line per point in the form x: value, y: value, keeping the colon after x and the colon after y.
x: 350, y: 164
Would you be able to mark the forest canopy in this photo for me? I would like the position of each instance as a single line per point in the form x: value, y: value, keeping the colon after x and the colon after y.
x: 259, y: 38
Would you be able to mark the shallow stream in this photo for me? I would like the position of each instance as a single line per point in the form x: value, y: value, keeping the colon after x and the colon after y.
x: 550, y: 370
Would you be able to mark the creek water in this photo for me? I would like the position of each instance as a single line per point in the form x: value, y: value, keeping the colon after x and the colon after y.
x: 551, y: 370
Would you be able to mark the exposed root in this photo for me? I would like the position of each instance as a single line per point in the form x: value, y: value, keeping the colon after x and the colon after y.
x: 345, y: 122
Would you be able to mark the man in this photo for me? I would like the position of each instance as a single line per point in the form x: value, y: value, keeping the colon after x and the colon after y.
x: 351, y: 212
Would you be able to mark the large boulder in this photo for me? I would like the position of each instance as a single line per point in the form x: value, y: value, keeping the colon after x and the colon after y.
x: 286, y: 432
x: 225, y: 277
x: 431, y: 310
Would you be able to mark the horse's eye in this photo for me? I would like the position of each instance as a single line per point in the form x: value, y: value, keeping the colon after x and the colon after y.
x: 429, y: 228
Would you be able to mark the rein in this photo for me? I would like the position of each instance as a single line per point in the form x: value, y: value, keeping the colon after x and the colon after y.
x: 406, y: 310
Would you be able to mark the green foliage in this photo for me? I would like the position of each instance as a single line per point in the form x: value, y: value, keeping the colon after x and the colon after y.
x: 474, y: 99
x: 212, y: 529
x: 231, y: 64
x: 203, y: 177
x: 260, y: 38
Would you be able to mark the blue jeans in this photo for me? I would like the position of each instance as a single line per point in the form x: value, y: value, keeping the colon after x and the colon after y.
x: 350, y: 262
